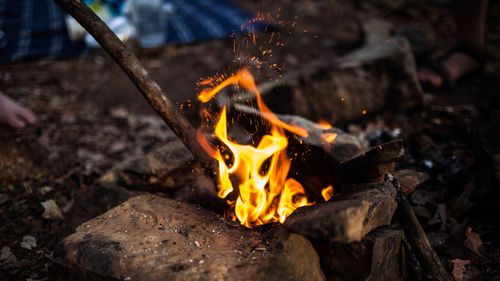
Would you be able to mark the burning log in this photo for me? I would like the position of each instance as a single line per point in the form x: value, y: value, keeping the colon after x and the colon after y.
x: 342, y: 159
x: 340, y: 147
x: 154, y: 238
x: 139, y: 76
x: 416, y: 236
x: 347, y: 219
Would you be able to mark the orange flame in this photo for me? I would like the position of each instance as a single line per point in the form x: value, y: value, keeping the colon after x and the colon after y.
x: 327, y: 193
x: 322, y: 124
x: 265, y: 194
x: 327, y: 137
x: 245, y: 79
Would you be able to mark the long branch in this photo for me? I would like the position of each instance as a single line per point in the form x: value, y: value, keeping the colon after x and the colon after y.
x: 416, y: 235
x: 139, y: 76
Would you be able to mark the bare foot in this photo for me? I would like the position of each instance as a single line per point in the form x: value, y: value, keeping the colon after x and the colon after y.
x: 13, y: 114
x: 456, y: 66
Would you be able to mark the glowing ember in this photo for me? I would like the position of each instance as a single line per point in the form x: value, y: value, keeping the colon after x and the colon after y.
x: 327, y: 193
x: 322, y: 124
x: 265, y: 194
x: 327, y: 137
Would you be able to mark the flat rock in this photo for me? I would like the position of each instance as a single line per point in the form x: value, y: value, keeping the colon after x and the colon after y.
x: 346, y: 218
x: 380, y: 256
x: 170, y: 169
x: 164, y: 169
x: 154, y: 238
x: 101, y: 198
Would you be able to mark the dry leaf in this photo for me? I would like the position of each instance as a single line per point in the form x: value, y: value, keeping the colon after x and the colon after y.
x: 473, y: 242
x: 29, y: 242
x: 51, y: 210
x: 459, y: 268
x: 6, y: 256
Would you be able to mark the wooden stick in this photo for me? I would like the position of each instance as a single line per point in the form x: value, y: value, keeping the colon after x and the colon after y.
x: 416, y: 236
x: 139, y: 76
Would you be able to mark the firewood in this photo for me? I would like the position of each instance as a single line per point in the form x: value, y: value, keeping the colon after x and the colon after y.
x: 416, y: 236
x: 372, y: 164
x: 314, y: 159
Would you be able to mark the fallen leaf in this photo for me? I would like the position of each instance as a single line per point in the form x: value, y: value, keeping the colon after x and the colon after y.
x: 118, y: 146
x: 4, y: 198
x: 459, y: 268
x: 439, y: 217
x: 46, y: 190
x: 51, y: 210
x: 462, y: 204
x: 9, y: 263
x: 6, y: 256
x: 473, y: 242
x: 29, y: 242
x: 119, y: 112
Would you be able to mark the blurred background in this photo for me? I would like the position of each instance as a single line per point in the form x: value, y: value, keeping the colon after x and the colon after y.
x: 91, y: 117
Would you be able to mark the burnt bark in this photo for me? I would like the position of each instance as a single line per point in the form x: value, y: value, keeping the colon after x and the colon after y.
x: 416, y: 236
x: 139, y: 76
x: 371, y: 165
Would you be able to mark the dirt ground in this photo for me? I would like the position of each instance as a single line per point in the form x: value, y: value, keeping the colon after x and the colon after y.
x: 91, y: 117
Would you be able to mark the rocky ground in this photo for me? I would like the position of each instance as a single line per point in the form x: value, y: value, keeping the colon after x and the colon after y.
x: 91, y: 118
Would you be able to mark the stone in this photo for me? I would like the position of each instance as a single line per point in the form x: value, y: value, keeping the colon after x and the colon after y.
x: 171, y: 170
x: 164, y: 169
x: 154, y: 238
x: 410, y: 179
x: 346, y: 218
x: 380, y: 256
x: 379, y: 74
x: 93, y: 200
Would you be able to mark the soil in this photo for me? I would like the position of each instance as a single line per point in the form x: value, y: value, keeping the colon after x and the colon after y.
x: 92, y: 117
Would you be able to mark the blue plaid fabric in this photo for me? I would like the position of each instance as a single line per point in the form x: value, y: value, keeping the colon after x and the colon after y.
x: 32, y: 29
x: 195, y: 20
x: 36, y: 28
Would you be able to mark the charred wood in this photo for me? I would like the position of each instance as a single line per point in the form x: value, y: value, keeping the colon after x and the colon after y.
x: 416, y: 236
x: 372, y: 164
